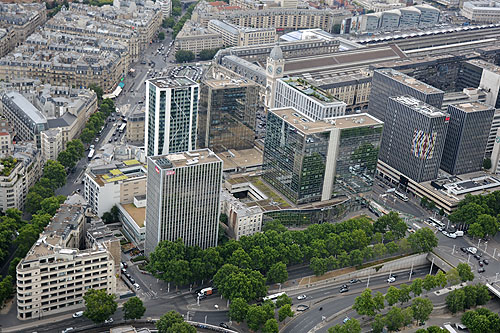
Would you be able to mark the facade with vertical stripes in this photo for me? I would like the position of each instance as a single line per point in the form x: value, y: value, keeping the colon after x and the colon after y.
x: 183, y: 192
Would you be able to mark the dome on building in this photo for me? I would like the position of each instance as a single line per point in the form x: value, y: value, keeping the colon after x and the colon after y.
x: 276, y: 53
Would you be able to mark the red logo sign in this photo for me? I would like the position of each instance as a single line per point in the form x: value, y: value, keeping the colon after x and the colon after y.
x: 157, y: 170
x: 170, y: 172
x: 447, y: 119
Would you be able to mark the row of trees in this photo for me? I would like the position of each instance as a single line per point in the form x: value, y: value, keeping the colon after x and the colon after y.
x: 467, y: 297
x: 100, y: 306
x: 184, y: 56
x: 178, y: 26
x: 368, y: 305
x: 481, y: 320
x: 479, y: 213
x: 261, y: 316
x: 72, y: 154
x: 397, y: 318
x: 97, y: 120
x: 269, y: 253
x: 41, y: 195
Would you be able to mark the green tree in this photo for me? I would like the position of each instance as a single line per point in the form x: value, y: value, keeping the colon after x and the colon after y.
x: 336, y: 29
x: 133, y: 308
x: 394, y: 319
x: 441, y: 212
x: 184, y: 56
x: 99, y: 306
x: 107, y: 218
x: 50, y: 205
x: 256, y: 317
x: 271, y: 326
x: 282, y: 300
x: 429, y: 282
x: 465, y: 272
x: 404, y: 293
x: 364, y: 304
x: 284, y: 312
x: 379, y: 300
x: 455, y: 301
x: 416, y: 287
x: 182, y: 327
x: 487, y: 163
x: 422, y: 308
x: 169, y: 22
x: 238, y: 309
x: 55, y: 172
x: 470, y: 296
x: 277, y: 273
x: 88, y: 134
x: 476, y: 230
x: 207, y: 54
x: 423, y: 240
x: 489, y: 224
x: 378, y: 324
x: 351, y: 326
x: 453, y: 277
x: 392, y: 295
x: 441, y: 280
x: 161, y: 35
x: 98, y: 90
x: 407, y: 316
x: 66, y: 159
x: 168, y: 320
x: 482, y: 294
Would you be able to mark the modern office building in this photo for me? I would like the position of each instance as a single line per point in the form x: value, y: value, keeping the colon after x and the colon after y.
x: 414, y: 139
x: 310, y: 161
x: 466, y: 138
x: 492, y: 137
x: 56, y: 272
x: 306, y: 98
x: 388, y: 83
x: 183, y: 198
x: 485, y: 75
x: 171, y: 115
x: 227, y: 113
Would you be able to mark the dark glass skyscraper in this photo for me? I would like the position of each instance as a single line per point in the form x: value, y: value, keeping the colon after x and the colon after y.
x: 466, y: 138
x: 309, y: 161
x: 414, y: 137
x: 227, y: 113
x: 390, y: 83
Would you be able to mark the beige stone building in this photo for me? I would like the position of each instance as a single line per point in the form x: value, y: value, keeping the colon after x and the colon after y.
x: 22, y: 20
x: 55, y: 274
x: 52, y: 143
x: 234, y: 35
x: 195, y: 38
x: 7, y: 40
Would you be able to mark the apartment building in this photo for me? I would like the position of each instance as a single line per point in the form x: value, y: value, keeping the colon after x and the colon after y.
x: 55, y: 274
x: 114, y: 183
x: 22, y: 18
x: 7, y: 134
x: 67, y: 60
x: 241, y: 219
x: 135, y: 127
x: 195, y: 38
x: 52, y: 143
x: 7, y: 40
x: 234, y: 35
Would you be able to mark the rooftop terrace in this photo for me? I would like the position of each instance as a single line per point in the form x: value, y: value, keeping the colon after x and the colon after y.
x: 308, y: 89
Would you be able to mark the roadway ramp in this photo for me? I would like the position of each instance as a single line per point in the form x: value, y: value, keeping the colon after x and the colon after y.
x: 439, y: 262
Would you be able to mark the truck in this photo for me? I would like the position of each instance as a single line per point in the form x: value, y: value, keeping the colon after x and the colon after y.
x: 206, y: 292
x: 459, y: 233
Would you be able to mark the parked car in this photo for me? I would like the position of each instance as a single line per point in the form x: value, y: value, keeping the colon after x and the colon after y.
x: 124, y: 264
x: 486, y: 262
x: 346, y: 319
x: 353, y: 281
x: 391, y: 279
x: 78, y: 314
x: 481, y: 264
x: 477, y: 257
x: 480, y: 270
x: 223, y: 325
x: 301, y: 297
x: 464, y: 249
x: 137, y: 286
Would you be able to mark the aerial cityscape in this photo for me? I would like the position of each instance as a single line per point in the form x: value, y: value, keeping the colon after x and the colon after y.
x: 274, y: 166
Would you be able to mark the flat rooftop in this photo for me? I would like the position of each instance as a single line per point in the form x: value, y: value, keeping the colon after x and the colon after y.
x: 306, y: 125
x: 137, y: 213
x: 309, y: 90
x: 472, y: 107
x: 172, y: 82
x: 117, y: 171
x: 179, y: 160
x: 221, y: 84
x: 486, y: 65
x: 419, y: 106
x: 409, y: 81
x: 241, y: 159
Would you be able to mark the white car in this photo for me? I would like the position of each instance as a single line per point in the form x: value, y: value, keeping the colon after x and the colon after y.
x: 391, y: 279
x: 452, y: 235
x: 472, y: 250
x: 67, y: 330
x: 137, y: 286
x: 78, y: 314
x: 346, y: 319
x: 445, y: 233
x: 109, y: 321
x: 301, y: 297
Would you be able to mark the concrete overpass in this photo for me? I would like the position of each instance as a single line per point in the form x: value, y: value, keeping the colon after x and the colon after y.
x: 437, y: 260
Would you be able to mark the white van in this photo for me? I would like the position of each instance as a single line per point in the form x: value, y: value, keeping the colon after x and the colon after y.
x: 459, y: 233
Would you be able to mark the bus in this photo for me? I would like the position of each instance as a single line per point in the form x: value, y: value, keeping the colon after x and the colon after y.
x: 436, y: 222
x: 91, y: 154
x: 273, y: 297
x: 401, y: 196
x: 122, y: 128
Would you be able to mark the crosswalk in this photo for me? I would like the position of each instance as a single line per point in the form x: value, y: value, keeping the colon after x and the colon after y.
x: 150, y: 294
